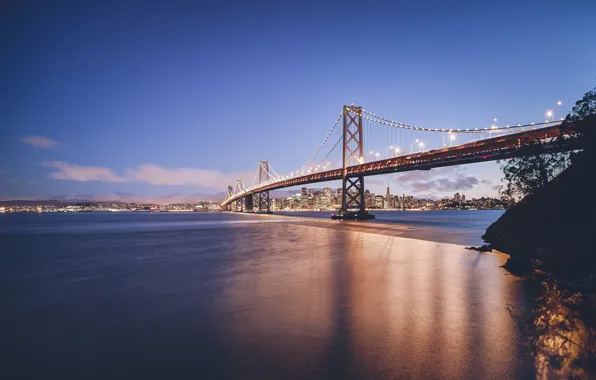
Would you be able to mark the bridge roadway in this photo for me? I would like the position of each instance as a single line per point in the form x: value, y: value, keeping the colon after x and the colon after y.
x: 495, y: 148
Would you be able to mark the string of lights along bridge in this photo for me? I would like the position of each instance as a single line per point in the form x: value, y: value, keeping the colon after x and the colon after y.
x: 362, y: 143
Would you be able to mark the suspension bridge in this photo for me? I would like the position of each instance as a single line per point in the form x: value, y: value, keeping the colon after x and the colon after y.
x: 348, y: 154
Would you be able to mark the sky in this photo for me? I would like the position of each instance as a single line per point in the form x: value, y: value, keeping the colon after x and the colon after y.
x: 167, y: 100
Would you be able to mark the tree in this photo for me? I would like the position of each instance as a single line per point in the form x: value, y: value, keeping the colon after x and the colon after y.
x: 583, y: 119
x: 524, y: 175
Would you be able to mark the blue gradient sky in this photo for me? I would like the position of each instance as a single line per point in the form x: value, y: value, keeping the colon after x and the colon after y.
x: 181, y: 98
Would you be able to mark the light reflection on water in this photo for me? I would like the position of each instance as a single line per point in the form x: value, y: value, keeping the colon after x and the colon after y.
x: 364, y: 305
x: 267, y: 300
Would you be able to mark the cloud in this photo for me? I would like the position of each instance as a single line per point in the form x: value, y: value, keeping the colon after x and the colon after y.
x: 157, y: 175
x: 39, y: 141
x: 82, y: 173
x: 202, y: 178
x: 149, y: 173
x: 437, y: 180
x: 375, y: 182
x: 446, y: 184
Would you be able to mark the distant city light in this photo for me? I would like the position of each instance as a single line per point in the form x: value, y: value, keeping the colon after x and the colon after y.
x: 559, y: 103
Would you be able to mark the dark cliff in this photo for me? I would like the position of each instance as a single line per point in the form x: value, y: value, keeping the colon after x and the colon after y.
x: 555, y: 228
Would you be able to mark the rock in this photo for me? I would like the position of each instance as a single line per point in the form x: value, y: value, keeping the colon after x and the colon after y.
x: 519, y: 266
x: 554, y: 227
x: 483, y: 248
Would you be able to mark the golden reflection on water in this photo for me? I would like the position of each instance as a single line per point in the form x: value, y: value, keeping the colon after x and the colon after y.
x: 562, y: 344
x: 350, y: 304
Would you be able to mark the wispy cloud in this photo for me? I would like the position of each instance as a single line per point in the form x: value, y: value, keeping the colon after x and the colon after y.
x: 149, y: 173
x: 437, y: 180
x: 157, y: 175
x: 39, y: 141
x: 82, y: 173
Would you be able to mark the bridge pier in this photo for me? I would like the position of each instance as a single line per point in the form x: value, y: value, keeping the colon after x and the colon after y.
x: 352, y: 197
x: 264, y: 204
x: 248, y: 203
x: 238, y: 205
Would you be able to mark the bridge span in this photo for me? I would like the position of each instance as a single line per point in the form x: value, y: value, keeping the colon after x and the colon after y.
x: 544, y: 137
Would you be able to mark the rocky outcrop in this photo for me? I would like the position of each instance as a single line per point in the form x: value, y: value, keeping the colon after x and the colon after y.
x: 553, y: 229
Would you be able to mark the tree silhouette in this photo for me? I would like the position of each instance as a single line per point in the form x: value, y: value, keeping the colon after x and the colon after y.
x: 524, y: 175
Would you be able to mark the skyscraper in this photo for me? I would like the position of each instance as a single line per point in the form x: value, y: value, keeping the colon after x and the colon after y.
x: 388, y: 198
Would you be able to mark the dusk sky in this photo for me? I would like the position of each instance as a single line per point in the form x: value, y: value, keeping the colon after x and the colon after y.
x: 135, y: 99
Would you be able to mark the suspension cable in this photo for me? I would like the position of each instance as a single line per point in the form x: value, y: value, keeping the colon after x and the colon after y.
x: 381, y: 120
x: 323, y: 143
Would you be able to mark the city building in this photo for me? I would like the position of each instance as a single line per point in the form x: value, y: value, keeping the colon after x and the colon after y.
x: 379, y: 201
x: 457, y: 198
x: 388, y: 199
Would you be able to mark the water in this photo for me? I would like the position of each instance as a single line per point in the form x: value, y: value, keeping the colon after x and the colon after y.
x: 220, y: 296
x: 453, y: 226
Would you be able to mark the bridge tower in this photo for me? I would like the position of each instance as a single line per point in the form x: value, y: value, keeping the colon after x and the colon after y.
x: 352, y: 197
x: 229, y: 194
x: 263, y: 196
x: 239, y: 188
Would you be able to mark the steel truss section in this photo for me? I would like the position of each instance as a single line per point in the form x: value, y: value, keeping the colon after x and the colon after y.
x: 263, y: 204
x: 353, y: 147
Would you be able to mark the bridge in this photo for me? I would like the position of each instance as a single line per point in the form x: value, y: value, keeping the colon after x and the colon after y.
x: 404, y: 151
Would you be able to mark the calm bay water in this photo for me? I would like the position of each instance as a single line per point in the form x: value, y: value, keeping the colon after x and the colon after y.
x: 219, y: 296
x: 452, y: 226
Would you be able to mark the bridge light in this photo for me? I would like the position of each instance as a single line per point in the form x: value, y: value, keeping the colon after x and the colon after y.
x: 452, y: 137
x: 495, y: 119
x: 549, y: 113
x: 559, y: 103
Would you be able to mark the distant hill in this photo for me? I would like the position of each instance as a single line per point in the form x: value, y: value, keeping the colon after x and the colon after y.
x: 114, y: 198
x: 17, y: 202
x: 131, y: 198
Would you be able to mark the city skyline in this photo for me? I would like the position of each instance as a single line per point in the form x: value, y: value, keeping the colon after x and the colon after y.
x: 306, y: 199
x: 99, y: 104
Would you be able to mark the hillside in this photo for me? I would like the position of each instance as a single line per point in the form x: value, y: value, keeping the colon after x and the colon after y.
x: 555, y: 228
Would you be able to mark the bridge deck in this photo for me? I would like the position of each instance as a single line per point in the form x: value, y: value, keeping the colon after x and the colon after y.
x: 490, y: 149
